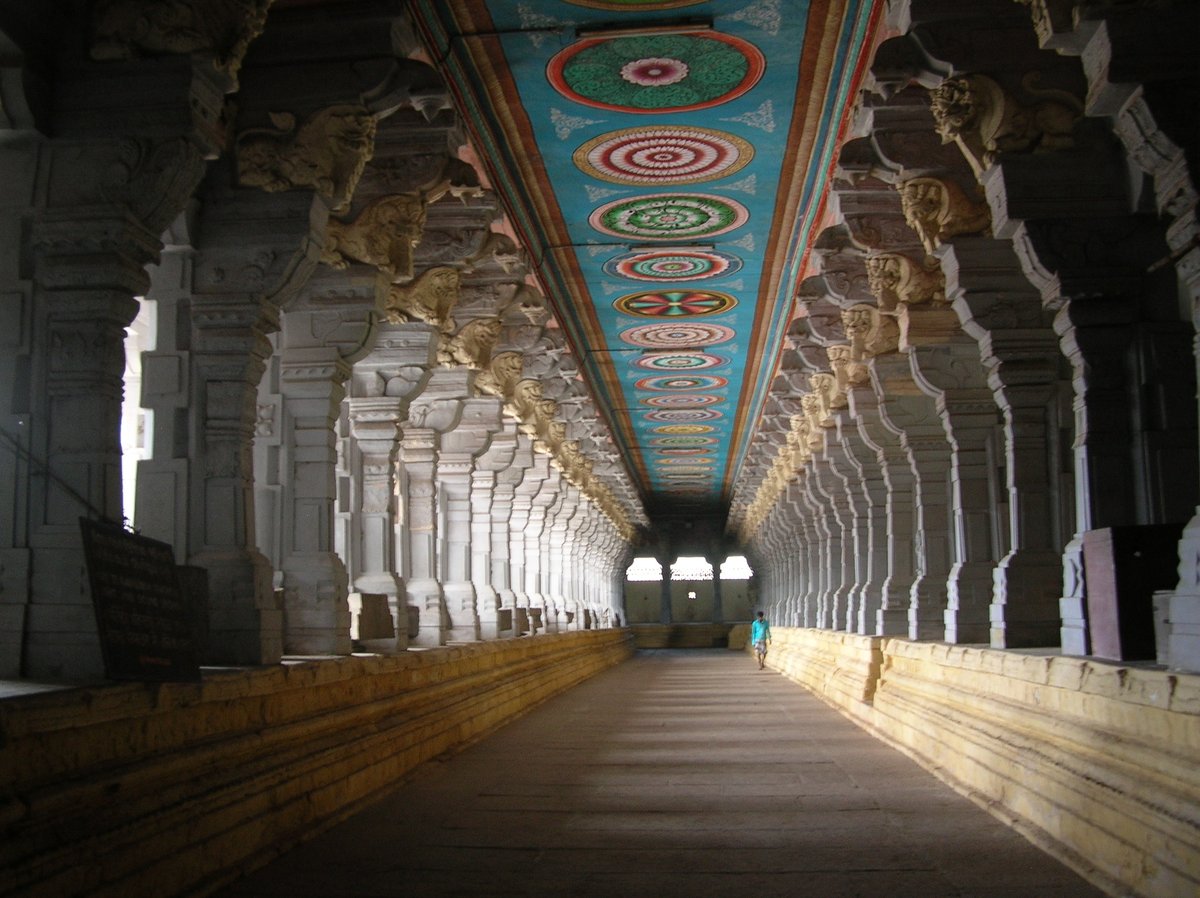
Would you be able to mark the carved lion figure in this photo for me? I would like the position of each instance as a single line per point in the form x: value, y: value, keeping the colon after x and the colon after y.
x: 328, y: 153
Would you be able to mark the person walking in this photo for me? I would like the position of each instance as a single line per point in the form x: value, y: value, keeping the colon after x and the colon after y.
x: 760, y: 636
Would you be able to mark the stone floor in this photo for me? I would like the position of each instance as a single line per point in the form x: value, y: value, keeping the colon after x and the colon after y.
x: 680, y: 773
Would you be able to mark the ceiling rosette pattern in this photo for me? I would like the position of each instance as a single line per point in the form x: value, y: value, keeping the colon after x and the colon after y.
x: 664, y: 163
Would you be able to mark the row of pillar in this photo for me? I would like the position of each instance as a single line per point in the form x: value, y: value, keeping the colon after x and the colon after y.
x: 355, y: 389
x: 995, y: 349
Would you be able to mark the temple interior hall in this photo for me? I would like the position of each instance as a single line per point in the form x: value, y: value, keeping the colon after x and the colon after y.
x: 408, y: 406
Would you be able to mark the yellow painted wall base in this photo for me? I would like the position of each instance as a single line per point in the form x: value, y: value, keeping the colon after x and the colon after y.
x: 1093, y: 761
x: 131, y: 790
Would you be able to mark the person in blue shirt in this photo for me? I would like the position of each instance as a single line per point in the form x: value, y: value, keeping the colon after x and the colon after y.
x: 760, y: 636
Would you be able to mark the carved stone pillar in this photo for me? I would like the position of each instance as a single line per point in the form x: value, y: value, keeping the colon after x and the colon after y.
x: 536, y: 532
x: 841, y: 537
x: 998, y: 308
x: 486, y: 521
x: 914, y: 420
x: 522, y: 577
x: 85, y: 276
x: 556, y: 561
x: 868, y: 490
x: 381, y: 387
x: 84, y: 209
x: 502, y: 577
x: 718, y: 614
x: 314, y: 581
x: 892, y: 617
x: 458, y: 449
x: 547, y: 553
x: 952, y: 376
x: 435, y: 412
x: 664, y: 593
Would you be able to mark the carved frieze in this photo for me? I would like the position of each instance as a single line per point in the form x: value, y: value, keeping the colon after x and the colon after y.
x: 871, y: 333
x: 499, y: 250
x: 126, y: 29
x: 984, y: 120
x: 384, y: 235
x: 896, y: 279
x: 847, y: 371
x: 326, y: 153
x: 832, y: 397
x: 937, y: 210
x: 501, y: 376
x: 431, y: 299
x: 472, y: 346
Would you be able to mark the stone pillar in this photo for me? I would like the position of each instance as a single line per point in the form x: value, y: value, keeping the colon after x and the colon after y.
x: 85, y: 275
x: 914, y: 420
x: 865, y: 481
x: 665, y: 590
x: 715, y: 562
x: 381, y: 387
x: 83, y: 210
x: 315, y: 584
x: 523, y: 500
x: 1020, y: 353
x: 502, y: 576
x: 892, y: 616
x: 952, y: 376
x: 458, y: 449
x: 436, y: 411
x: 487, y: 520
x: 535, y: 534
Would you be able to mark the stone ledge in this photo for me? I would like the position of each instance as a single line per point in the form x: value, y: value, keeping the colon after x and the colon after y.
x: 1093, y: 761
x: 681, y: 635
x: 131, y: 789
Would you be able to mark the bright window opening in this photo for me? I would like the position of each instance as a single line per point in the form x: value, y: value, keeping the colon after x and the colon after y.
x: 643, y: 569
x: 736, y: 568
x: 136, y: 422
x: 691, y: 567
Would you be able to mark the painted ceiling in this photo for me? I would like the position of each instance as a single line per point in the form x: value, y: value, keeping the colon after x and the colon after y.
x: 665, y: 165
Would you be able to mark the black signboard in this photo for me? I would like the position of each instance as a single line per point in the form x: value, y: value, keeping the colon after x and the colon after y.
x: 146, y: 624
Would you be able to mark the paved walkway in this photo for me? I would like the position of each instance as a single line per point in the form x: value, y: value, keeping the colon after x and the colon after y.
x: 680, y: 773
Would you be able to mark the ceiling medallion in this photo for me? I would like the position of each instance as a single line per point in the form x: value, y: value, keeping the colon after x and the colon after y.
x: 684, y: 444
x: 681, y: 415
x: 685, y: 428
x: 672, y: 453
x: 683, y: 400
x: 663, y: 155
x: 656, y: 72
x: 669, y: 216
x: 681, y: 361
x: 672, y: 265
x: 696, y: 460
x: 668, y: 336
x: 675, y: 303
x: 682, y: 382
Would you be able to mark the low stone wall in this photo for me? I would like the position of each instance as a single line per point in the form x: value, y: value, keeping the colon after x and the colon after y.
x: 132, y: 790
x: 681, y: 636
x: 1093, y: 761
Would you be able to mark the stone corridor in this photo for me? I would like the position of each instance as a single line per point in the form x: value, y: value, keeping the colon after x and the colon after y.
x: 678, y: 773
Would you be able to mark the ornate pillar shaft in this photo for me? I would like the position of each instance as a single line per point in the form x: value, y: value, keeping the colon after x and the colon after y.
x: 892, y: 616
x: 997, y: 307
x: 228, y: 358
x: 315, y: 584
x: 418, y: 450
x: 85, y: 276
x: 872, y: 526
x: 460, y: 448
